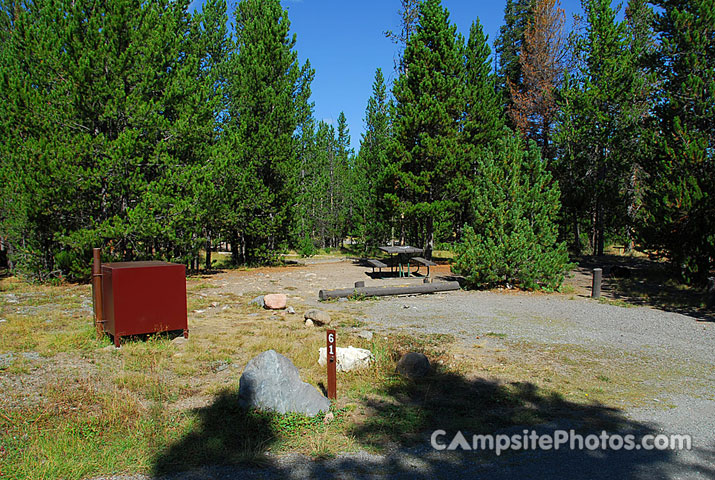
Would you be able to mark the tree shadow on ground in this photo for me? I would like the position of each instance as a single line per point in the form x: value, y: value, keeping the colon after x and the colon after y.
x: 644, y: 282
x: 397, y: 420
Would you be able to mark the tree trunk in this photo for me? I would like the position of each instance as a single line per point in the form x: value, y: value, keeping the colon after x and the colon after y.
x: 429, y: 238
x: 208, y: 252
x: 576, y: 234
x: 600, y: 240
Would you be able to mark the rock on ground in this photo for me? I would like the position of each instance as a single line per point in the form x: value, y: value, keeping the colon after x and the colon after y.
x: 349, y: 358
x: 318, y: 317
x: 270, y: 381
x: 258, y: 301
x: 413, y: 365
x: 275, y: 301
x: 366, y: 334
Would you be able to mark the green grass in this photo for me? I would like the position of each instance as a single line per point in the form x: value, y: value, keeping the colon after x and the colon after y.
x: 496, y: 335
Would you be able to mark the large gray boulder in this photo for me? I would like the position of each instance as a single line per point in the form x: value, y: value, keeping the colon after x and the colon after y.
x: 413, y: 365
x: 270, y: 381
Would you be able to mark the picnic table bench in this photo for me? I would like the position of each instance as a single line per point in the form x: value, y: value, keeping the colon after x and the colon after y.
x: 425, y: 262
x: 376, y: 264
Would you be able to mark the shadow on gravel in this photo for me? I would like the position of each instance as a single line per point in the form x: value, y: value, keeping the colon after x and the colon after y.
x: 643, y: 282
x: 398, y: 420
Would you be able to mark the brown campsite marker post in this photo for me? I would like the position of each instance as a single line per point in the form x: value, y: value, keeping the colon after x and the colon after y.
x: 97, y: 291
x: 331, y: 357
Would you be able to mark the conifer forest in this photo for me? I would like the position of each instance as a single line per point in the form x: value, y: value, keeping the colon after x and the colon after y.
x: 156, y: 131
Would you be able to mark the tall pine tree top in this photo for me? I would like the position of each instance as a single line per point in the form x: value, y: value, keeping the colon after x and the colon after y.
x: 484, y: 119
x: 429, y: 102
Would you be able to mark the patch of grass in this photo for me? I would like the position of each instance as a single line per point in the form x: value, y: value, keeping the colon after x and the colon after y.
x: 496, y: 335
x: 615, y: 302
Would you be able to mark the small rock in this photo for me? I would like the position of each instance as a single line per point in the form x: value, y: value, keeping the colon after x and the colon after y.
x: 178, y: 341
x: 349, y: 358
x: 413, y: 365
x: 214, y: 304
x: 366, y: 334
x: 342, y: 300
x: 405, y: 306
x: 109, y: 348
x: 31, y: 355
x: 275, y: 301
x: 290, y: 310
x: 11, y: 298
x: 199, y: 311
x: 319, y: 317
x: 258, y: 301
x: 2, y: 320
x: 225, y: 307
x: 309, y: 323
x: 6, y: 359
x: 329, y: 417
x: 220, y: 366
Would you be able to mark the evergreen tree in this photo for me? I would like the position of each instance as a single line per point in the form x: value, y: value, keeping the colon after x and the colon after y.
x: 598, y: 99
x: 369, y: 171
x: 514, y: 238
x: 637, y: 145
x: 541, y: 59
x: 508, y: 45
x: 93, y: 132
x: 483, y: 120
x: 429, y: 102
x: 265, y: 87
x: 680, y: 199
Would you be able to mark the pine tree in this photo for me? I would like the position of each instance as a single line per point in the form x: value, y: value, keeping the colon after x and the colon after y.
x: 508, y: 44
x: 598, y: 99
x: 94, y: 150
x: 514, y: 238
x: 680, y: 205
x: 637, y: 145
x: 541, y: 59
x: 265, y: 87
x: 483, y: 120
x: 429, y: 102
x: 373, y: 217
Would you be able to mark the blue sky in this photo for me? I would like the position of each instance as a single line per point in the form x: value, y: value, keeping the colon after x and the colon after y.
x: 345, y: 43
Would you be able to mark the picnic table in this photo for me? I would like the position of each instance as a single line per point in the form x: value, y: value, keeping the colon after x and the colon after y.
x: 404, y: 254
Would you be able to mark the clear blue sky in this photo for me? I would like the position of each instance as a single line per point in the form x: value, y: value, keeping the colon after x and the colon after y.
x: 345, y: 43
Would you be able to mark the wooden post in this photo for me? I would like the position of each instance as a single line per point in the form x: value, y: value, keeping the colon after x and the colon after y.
x: 97, y: 291
x: 596, y: 285
x: 332, y: 363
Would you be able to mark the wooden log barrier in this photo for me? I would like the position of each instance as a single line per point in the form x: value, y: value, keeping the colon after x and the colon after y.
x: 389, y: 290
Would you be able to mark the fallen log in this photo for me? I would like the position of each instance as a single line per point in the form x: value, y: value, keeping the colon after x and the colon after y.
x: 389, y: 290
